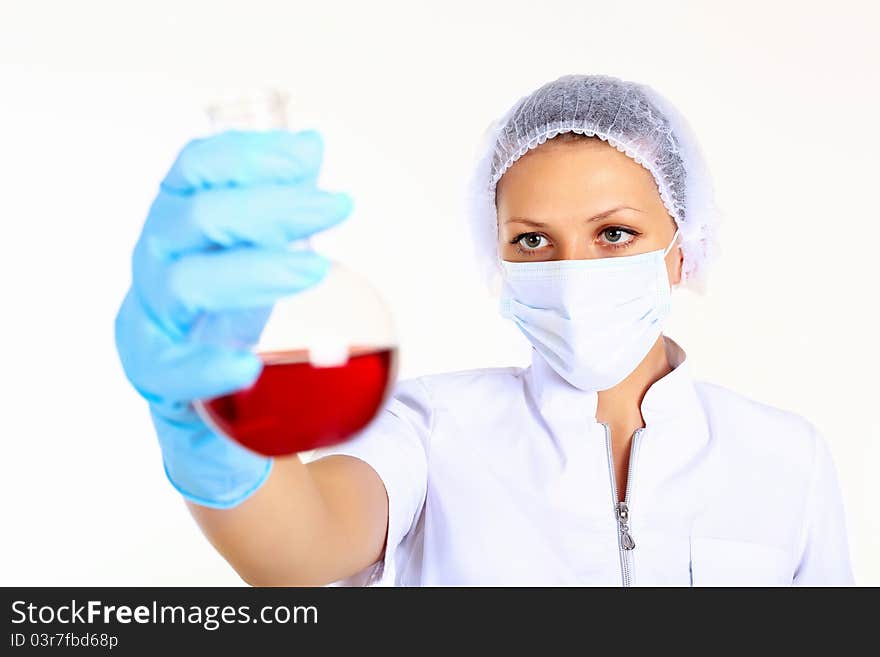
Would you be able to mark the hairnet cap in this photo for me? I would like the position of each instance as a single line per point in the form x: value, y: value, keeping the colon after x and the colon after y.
x: 633, y: 118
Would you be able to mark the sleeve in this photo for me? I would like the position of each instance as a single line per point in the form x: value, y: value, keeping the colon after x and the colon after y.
x: 395, y: 444
x: 825, y: 557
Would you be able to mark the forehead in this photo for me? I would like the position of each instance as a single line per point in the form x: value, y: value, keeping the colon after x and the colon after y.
x: 575, y: 172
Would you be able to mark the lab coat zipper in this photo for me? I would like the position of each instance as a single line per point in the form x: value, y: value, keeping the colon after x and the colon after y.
x: 626, y: 543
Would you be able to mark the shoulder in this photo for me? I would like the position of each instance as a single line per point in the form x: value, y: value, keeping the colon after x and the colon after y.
x: 736, y: 407
x: 756, y: 429
x: 462, y: 391
x: 479, y: 384
x: 472, y: 398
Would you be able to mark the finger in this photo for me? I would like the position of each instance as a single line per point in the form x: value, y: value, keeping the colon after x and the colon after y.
x: 268, y: 216
x: 236, y: 158
x: 167, y: 371
x: 238, y: 329
x: 195, y: 371
x: 179, y: 290
x: 244, y: 277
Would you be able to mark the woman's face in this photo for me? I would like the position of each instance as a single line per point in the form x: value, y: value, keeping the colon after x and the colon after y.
x: 581, y: 199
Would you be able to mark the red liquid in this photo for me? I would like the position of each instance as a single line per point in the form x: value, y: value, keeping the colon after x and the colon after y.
x: 295, y: 406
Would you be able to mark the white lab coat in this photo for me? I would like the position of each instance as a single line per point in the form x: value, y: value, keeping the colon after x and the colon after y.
x: 502, y: 476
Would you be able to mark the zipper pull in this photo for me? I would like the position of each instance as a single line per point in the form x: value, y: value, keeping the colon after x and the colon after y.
x: 627, y: 541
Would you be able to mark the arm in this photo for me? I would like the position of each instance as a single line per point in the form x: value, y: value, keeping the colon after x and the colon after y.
x: 211, y: 259
x: 307, y: 525
x: 825, y: 558
x: 324, y: 521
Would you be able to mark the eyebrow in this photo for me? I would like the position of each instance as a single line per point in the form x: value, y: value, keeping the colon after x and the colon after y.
x: 541, y: 224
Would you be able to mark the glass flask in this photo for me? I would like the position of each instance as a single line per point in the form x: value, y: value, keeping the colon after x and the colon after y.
x: 329, y: 352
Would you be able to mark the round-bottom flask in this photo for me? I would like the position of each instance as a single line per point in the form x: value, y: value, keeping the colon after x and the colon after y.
x: 329, y: 352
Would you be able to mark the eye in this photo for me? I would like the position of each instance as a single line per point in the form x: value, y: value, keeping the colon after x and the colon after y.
x: 530, y: 241
x: 616, y: 236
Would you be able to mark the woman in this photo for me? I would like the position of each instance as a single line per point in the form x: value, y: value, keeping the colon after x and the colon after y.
x: 601, y: 463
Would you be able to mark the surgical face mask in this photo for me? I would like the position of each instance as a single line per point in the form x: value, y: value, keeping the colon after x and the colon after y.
x: 593, y: 321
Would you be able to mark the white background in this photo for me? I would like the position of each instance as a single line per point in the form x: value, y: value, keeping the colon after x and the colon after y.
x: 97, y: 98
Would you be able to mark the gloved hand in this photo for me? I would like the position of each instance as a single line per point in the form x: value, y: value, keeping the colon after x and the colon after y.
x: 209, y: 264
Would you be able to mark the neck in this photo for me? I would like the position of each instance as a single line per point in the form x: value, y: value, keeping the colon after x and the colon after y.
x: 621, y: 405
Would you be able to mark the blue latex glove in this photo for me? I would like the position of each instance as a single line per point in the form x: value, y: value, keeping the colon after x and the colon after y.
x: 209, y: 264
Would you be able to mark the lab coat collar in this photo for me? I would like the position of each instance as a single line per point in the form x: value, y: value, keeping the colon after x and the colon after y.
x: 678, y: 453
x: 671, y: 400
